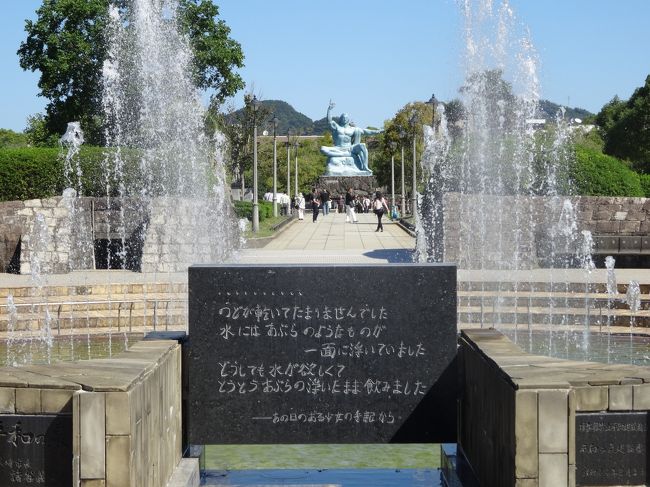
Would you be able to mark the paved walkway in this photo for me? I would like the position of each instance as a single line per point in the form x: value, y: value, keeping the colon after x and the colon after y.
x: 332, y: 240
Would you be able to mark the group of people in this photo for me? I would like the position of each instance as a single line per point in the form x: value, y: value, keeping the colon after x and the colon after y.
x: 318, y: 199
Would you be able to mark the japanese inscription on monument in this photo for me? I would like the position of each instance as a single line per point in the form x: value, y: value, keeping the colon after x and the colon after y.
x: 611, y: 448
x: 32, y: 448
x: 316, y: 354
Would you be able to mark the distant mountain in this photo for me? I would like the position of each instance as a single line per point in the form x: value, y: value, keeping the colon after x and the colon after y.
x: 291, y: 119
x: 288, y: 118
x: 548, y: 110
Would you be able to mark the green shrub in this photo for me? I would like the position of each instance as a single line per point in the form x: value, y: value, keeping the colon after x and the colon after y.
x: 30, y: 172
x: 244, y: 209
x: 597, y: 174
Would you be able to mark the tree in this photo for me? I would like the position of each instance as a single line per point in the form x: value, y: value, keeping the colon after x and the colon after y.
x: 66, y: 43
x: 627, y: 128
x: 11, y: 139
x: 239, y: 132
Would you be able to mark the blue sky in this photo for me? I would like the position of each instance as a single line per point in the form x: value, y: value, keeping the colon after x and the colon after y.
x: 372, y: 57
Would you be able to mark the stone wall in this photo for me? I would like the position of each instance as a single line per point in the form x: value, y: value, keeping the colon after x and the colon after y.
x: 56, y: 235
x: 126, y: 412
x: 498, y: 230
x: 11, y: 229
x: 338, y: 185
x: 517, y: 423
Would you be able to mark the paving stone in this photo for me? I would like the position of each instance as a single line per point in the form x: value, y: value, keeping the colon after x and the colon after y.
x: 553, y: 421
x: 118, y: 461
x: 526, y: 450
x: 56, y: 400
x: 92, y: 434
x: 7, y: 400
x: 641, y: 397
x: 28, y: 400
x: 620, y: 398
x: 553, y: 470
x: 592, y: 398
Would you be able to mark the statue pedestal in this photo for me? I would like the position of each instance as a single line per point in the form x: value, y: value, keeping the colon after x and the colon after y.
x: 338, y: 185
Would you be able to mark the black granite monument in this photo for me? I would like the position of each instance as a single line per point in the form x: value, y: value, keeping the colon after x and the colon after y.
x: 32, y: 448
x: 611, y: 448
x: 322, y: 354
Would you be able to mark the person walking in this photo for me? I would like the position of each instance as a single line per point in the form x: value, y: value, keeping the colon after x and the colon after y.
x: 325, y: 199
x: 300, y: 204
x: 315, y: 204
x: 350, y: 216
x: 379, y: 206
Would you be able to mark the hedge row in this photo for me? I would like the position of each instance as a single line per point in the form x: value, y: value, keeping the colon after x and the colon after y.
x: 244, y: 209
x: 597, y: 174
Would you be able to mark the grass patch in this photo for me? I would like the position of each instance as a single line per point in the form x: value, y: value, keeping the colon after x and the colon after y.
x: 252, y: 457
x: 266, y: 227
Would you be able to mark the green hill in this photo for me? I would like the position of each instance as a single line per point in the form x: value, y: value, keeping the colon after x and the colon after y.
x: 288, y: 118
x: 548, y: 110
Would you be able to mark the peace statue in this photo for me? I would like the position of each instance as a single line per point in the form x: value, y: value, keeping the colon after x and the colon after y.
x: 349, y: 156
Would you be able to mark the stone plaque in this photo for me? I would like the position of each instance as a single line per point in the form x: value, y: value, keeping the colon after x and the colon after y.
x: 322, y: 354
x: 35, y: 450
x: 611, y: 448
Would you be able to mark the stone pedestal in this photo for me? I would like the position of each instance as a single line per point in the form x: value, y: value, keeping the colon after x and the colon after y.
x: 338, y: 185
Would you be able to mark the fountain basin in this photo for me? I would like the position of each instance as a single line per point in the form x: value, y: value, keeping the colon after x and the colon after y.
x: 114, y: 421
x: 529, y: 419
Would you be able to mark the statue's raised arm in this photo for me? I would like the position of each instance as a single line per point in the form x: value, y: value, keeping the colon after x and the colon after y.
x: 349, y: 156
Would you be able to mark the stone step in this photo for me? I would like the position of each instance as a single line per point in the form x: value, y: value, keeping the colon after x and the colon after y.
x: 114, y: 289
x: 66, y: 304
x: 556, y: 315
x: 580, y: 287
x: 120, y: 319
x: 490, y: 299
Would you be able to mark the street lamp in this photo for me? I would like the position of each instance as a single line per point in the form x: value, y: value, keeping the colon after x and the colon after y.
x: 256, y: 209
x: 393, y: 146
x: 414, y: 196
x: 288, y: 144
x: 402, y: 138
x: 275, y: 167
x: 433, y: 103
x: 295, y: 145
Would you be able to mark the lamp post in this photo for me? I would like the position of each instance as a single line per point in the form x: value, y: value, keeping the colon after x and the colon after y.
x: 256, y: 209
x: 295, y: 145
x: 275, y: 168
x: 393, y: 146
x: 414, y: 195
x: 433, y: 103
x: 402, y: 137
x: 288, y: 144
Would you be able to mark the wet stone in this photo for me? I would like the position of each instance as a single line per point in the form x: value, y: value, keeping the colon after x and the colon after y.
x: 278, y: 355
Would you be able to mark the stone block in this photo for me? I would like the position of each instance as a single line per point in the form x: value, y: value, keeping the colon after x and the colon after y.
x: 553, y: 470
x: 630, y: 227
x: 526, y: 450
x: 92, y: 434
x: 526, y: 483
x: 56, y: 400
x: 591, y: 398
x: 602, y: 215
x: 553, y: 421
x: 620, y: 398
x: 608, y: 226
x: 620, y: 215
x: 118, y: 461
x: 28, y: 400
x: 93, y: 483
x: 118, y: 418
x: 7, y: 400
x: 641, y: 397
